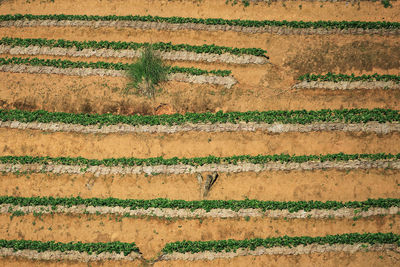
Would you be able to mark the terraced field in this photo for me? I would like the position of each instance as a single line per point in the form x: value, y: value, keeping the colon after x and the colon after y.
x: 274, y: 141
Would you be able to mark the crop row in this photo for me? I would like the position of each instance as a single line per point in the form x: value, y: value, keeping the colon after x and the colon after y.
x: 198, y: 161
x: 332, y: 77
x: 164, y: 47
x: 213, y: 21
x: 274, y: 116
x: 235, y: 205
x: 285, y: 241
x: 192, y: 247
x: 90, y: 248
x: 58, y: 63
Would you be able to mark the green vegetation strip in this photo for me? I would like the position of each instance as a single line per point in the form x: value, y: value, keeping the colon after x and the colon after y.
x: 90, y: 248
x: 164, y: 47
x: 214, y: 21
x: 58, y: 63
x: 199, y: 161
x: 274, y: 116
x: 285, y: 241
x: 332, y: 77
x: 235, y: 205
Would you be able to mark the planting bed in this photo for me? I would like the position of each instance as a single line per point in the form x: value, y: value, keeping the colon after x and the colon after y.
x: 275, y: 141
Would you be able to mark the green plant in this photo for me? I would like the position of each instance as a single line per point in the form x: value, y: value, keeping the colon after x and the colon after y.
x: 63, y: 64
x: 285, y: 241
x: 147, y: 73
x: 198, y: 161
x: 235, y: 205
x: 386, y: 3
x: 273, y: 116
x: 90, y: 248
x: 213, y: 21
x: 332, y: 77
x: 162, y: 47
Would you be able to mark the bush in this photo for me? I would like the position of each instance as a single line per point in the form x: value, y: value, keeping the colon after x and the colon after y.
x: 147, y: 73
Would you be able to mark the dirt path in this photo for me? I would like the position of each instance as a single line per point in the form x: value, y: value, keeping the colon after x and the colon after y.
x: 190, y: 144
x: 322, y: 185
x: 369, y: 11
x: 151, y: 235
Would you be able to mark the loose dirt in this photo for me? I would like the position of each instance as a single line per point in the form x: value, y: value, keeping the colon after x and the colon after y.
x: 190, y: 144
x: 322, y: 185
x: 151, y: 235
x: 364, y: 11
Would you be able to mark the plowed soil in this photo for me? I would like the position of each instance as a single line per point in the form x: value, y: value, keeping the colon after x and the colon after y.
x: 367, y: 11
x: 322, y: 185
x: 190, y: 144
x: 151, y: 235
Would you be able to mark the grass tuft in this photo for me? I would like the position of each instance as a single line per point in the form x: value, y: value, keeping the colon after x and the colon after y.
x: 147, y: 73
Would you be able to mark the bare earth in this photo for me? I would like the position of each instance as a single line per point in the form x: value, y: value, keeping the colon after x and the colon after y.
x: 322, y: 185
x: 190, y: 144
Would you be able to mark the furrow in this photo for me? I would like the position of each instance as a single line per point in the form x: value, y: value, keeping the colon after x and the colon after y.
x: 67, y: 255
x: 181, y: 169
x: 279, y: 251
x: 199, y: 213
x: 347, y: 85
x: 370, y: 127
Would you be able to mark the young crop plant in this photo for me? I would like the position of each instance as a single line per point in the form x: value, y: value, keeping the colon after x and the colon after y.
x: 273, y: 116
x: 147, y: 73
x: 207, y: 205
x: 198, y: 161
x: 285, y: 241
x: 213, y: 21
x: 64, y: 64
x: 90, y: 248
x: 333, y: 77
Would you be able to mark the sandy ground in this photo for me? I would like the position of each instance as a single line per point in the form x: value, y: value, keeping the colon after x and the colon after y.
x: 190, y: 144
x: 367, y: 11
x: 322, y: 185
x: 151, y: 235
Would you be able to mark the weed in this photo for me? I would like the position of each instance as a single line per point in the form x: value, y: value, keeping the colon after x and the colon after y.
x: 147, y: 73
x: 386, y: 3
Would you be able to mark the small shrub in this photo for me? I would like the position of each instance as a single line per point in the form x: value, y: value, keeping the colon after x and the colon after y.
x: 147, y: 73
